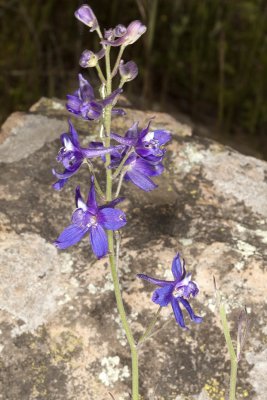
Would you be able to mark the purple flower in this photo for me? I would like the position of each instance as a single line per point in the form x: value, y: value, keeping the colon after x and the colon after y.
x: 128, y: 71
x: 82, y: 103
x: 176, y: 292
x: 90, y: 59
x: 71, y: 155
x: 86, y: 15
x: 148, y: 144
x: 131, y: 34
x: 139, y: 170
x: 92, y: 219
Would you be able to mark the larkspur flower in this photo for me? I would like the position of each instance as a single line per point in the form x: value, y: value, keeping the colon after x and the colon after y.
x: 86, y: 15
x: 71, y: 155
x: 175, y: 292
x: 147, y: 143
x: 82, y: 102
x: 128, y: 71
x: 125, y: 36
x: 90, y: 59
x: 92, y: 219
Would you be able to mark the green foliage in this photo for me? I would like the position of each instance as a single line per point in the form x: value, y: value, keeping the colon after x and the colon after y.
x: 208, y: 57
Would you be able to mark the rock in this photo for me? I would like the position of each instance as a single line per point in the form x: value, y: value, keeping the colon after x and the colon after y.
x: 60, y: 335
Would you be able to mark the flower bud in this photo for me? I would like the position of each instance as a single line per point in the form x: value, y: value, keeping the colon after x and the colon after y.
x: 120, y: 30
x: 90, y: 59
x: 134, y: 31
x: 109, y: 34
x: 125, y: 36
x: 86, y: 15
x: 128, y: 71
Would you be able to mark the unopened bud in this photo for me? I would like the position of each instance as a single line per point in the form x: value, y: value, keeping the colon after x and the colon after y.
x: 86, y: 15
x: 128, y: 71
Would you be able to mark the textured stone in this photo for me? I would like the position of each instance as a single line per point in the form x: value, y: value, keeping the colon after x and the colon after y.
x: 60, y: 335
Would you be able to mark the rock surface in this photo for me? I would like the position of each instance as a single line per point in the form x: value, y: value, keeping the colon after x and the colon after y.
x: 60, y: 336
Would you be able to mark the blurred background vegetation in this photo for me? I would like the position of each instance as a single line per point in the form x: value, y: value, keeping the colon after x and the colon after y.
x: 205, y: 59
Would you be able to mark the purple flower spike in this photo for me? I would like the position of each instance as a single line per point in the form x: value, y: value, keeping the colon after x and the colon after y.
x: 71, y: 155
x: 131, y: 35
x: 91, y: 219
x: 90, y: 59
x: 86, y: 15
x: 128, y: 71
x: 176, y: 292
x: 83, y: 103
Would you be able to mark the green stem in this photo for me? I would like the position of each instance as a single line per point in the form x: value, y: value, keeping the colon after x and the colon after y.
x: 160, y: 329
x: 149, y: 328
x: 231, y: 350
x: 107, y: 119
x: 119, y: 185
x: 99, y: 33
x: 118, y: 170
x: 123, y: 317
x: 100, y: 74
x: 113, y: 261
x: 97, y: 186
x: 117, y: 61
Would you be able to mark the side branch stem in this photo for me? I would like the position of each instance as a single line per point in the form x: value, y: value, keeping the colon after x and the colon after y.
x: 100, y: 74
x: 118, y: 170
x: 150, y: 328
x: 116, y: 66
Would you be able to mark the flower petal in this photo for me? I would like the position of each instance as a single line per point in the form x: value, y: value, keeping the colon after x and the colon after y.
x: 70, y: 236
x: 128, y: 71
x: 86, y: 91
x: 163, y: 295
x: 98, y: 240
x: 188, y: 308
x: 109, y: 99
x: 123, y: 140
x: 178, y: 313
x: 157, y: 282
x: 67, y: 142
x: 74, y: 134
x: 73, y: 104
x: 140, y: 180
x: 78, y: 217
x: 86, y: 15
x: 79, y: 200
x: 90, y: 153
x: 92, y: 111
x: 118, y: 111
x: 114, y: 202
x: 132, y: 132
x: 162, y: 136
x: 59, y: 184
x: 111, y: 218
x: 148, y: 169
x: 178, y: 267
x: 64, y: 175
x: 91, y: 200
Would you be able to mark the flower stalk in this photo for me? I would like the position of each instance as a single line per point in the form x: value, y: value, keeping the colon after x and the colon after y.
x: 113, y: 259
x: 150, y: 327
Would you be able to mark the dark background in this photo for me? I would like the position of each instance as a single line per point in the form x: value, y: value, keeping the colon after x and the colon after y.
x: 202, y: 59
